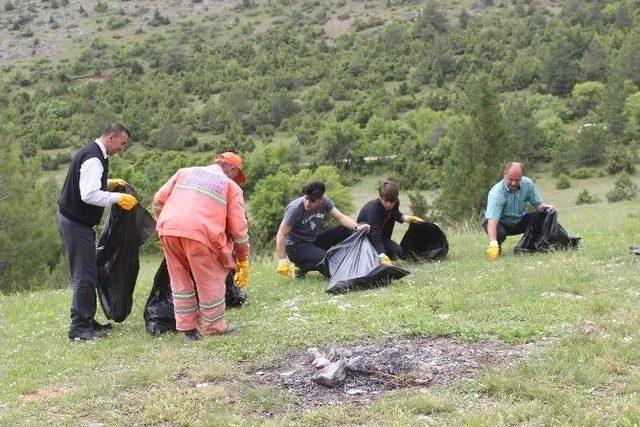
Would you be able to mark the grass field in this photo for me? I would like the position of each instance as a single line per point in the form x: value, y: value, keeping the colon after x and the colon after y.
x: 579, y: 310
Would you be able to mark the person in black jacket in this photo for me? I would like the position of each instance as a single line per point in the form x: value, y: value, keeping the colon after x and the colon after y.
x: 85, y: 194
x: 382, y: 214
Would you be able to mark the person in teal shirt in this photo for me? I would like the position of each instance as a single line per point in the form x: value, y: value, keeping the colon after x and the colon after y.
x: 506, y: 204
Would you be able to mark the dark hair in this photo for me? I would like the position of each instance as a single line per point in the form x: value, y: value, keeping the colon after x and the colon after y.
x: 511, y: 164
x: 115, y: 128
x: 388, y: 191
x: 314, y: 190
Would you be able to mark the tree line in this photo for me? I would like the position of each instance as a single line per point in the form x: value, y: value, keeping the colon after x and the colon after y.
x: 444, y: 97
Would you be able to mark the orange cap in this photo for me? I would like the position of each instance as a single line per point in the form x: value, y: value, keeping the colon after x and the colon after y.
x: 234, y: 160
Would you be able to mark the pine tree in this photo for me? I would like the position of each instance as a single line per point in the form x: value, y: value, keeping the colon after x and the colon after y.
x: 479, y: 149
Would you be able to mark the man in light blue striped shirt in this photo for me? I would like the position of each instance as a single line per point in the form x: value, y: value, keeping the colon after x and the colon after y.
x: 506, y: 203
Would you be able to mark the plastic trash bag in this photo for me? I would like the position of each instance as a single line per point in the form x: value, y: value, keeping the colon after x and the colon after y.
x: 117, y: 257
x: 544, y: 233
x: 424, y: 241
x: 158, y: 311
x: 354, y: 264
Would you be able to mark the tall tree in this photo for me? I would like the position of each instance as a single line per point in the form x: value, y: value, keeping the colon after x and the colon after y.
x: 611, y: 109
x: 479, y: 148
x: 559, y: 68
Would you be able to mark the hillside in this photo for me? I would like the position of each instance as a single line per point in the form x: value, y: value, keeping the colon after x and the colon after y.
x: 441, y: 93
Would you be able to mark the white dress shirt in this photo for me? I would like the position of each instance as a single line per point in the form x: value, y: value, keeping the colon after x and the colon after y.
x: 90, y: 176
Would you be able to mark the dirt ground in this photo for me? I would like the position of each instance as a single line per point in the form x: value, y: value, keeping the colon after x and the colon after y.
x: 377, y: 368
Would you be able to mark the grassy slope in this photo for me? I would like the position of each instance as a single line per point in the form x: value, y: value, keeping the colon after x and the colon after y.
x: 588, y: 376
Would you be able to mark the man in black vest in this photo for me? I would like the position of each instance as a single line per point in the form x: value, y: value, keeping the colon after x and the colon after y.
x: 85, y: 193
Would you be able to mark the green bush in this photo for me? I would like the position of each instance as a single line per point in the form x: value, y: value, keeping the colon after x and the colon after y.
x: 591, y: 142
x: 563, y: 182
x: 585, y: 198
x: 583, y: 173
x: 28, y: 210
x: 50, y: 139
x: 48, y: 163
x: 418, y: 204
x: 623, y: 189
x: 620, y: 161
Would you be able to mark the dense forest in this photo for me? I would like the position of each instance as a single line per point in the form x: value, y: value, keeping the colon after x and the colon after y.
x: 436, y: 94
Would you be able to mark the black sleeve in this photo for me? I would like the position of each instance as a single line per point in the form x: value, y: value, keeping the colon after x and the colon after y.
x: 373, y: 214
x: 397, y: 215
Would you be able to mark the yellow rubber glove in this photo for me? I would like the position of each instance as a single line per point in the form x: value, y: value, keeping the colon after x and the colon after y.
x: 285, y: 268
x: 242, y: 274
x: 384, y: 259
x: 114, y: 183
x: 493, y: 251
x: 412, y: 219
x: 127, y: 202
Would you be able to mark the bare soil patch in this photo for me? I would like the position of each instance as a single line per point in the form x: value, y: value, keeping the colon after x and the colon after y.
x: 44, y: 394
x: 377, y: 368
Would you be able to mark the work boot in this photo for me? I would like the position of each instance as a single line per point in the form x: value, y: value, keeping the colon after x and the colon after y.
x: 192, y: 335
x: 86, y: 335
x: 97, y: 326
x: 231, y: 329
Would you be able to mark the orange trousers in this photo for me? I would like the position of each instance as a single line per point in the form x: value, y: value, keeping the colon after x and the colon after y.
x: 201, y: 304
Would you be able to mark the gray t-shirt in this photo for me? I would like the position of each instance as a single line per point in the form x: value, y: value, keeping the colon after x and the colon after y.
x: 305, y: 225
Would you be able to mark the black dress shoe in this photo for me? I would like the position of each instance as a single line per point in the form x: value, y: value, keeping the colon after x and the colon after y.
x: 97, y: 326
x: 192, y: 335
x: 86, y: 335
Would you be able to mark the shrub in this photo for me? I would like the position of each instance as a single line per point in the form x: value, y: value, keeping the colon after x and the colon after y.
x: 563, y: 182
x: 50, y: 139
x: 101, y: 7
x: 48, y: 163
x: 623, y: 189
x: 27, y: 263
x: 158, y: 19
x: 582, y: 173
x: 620, y: 161
x: 418, y: 204
x: 63, y: 158
x: 585, y: 198
x: 591, y: 142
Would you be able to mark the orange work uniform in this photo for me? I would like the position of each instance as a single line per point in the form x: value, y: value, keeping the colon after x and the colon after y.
x: 203, y: 228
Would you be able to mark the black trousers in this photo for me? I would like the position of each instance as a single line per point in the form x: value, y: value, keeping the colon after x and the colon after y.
x: 307, y: 255
x: 80, y: 241
x: 505, y: 230
x: 392, y: 249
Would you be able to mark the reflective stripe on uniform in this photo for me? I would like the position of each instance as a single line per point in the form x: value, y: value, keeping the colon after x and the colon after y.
x: 188, y: 295
x: 211, y: 319
x: 185, y: 310
x: 208, y: 306
x: 205, y: 193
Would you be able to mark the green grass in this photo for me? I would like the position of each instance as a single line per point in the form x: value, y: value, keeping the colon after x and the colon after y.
x: 586, y: 374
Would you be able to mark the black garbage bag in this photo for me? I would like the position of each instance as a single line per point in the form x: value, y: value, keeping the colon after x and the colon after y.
x: 117, y: 257
x: 424, y: 241
x: 544, y: 233
x: 158, y: 312
x: 234, y: 296
x: 354, y: 264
